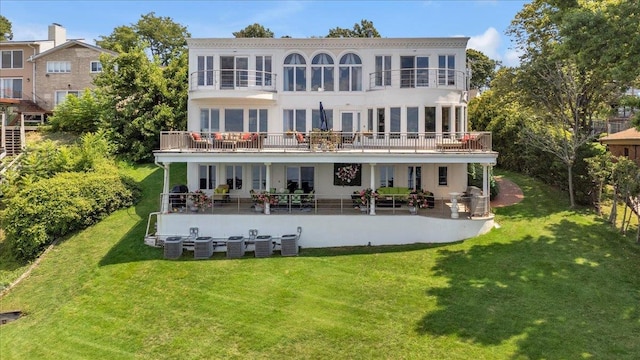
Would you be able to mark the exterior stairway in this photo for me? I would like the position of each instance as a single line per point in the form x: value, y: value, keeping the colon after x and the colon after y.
x: 13, y: 143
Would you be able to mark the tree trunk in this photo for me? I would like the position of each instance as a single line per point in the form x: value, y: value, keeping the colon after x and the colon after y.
x: 599, y: 199
x: 623, y: 229
x: 614, y: 208
x: 570, y: 176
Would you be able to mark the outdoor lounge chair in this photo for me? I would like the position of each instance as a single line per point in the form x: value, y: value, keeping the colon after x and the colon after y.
x: 296, y: 198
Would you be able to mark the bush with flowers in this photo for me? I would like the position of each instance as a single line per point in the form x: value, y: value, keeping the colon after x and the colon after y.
x: 260, y: 198
x: 364, y: 196
x: 200, y: 200
x: 421, y: 199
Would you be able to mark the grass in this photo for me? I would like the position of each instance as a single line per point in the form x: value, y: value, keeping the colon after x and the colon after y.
x: 549, y: 283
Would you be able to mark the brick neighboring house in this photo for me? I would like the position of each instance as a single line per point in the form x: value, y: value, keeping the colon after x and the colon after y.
x: 624, y: 143
x: 40, y: 73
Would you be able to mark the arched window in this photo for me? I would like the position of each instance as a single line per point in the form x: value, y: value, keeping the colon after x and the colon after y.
x: 350, y: 73
x: 295, y: 70
x: 322, y: 72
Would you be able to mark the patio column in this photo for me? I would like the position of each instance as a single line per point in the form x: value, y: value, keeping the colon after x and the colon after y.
x: 165, y: 188
x: 372, y: 182
x: 485, y: 186
x: 267, y: 185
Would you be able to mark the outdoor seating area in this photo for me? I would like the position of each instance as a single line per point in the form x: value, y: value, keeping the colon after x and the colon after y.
x: 234, y: 247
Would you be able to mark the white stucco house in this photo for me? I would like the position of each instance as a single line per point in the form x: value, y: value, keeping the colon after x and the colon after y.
x: 394, y: 114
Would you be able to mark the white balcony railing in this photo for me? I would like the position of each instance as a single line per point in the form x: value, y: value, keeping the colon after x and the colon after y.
x: 419, y: 78
x: 232, y: 80
x: 314, y: 141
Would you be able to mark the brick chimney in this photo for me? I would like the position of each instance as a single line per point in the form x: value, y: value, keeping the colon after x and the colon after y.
x: 58, y: 34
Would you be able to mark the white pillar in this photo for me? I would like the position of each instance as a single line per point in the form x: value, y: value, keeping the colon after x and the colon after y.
x: 165, y: 189
x: 485, y: 179
x: 372, y: 182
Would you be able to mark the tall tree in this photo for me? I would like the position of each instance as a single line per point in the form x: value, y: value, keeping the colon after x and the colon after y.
x: 5, y: 29
x: 254, y: 31
x: 363, y: 30
x: 161, y: 36
x: 483, y: 69
x: 142, y: 98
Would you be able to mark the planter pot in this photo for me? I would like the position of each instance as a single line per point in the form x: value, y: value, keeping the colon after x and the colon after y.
x: 258, y: 208
x: 413, y: 210
x: 364, y: 209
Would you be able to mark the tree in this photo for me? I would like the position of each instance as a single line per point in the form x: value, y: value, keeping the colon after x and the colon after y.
x: 483, y: 69
x: 77, y: 114
x: 600, y: 168
x: 161, y: 36
x: 254, y: 31
x: 141, y: 98
x: 5, y: 29
x: 363, y: 30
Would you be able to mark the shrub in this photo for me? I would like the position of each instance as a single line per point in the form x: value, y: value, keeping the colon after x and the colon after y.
x: 54, y: 207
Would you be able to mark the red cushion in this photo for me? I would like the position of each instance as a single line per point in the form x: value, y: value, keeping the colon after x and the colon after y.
x: 246, y: 136
x: 300, y: 137
x: 218, y: 136
x: 196, y: 136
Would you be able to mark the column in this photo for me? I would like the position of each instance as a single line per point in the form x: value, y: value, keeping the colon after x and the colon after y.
x: 372, y: 182
x: 164, y: 208
x: 267, y: 184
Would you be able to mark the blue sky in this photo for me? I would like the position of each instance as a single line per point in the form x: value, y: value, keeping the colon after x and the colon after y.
x: 484, y: 21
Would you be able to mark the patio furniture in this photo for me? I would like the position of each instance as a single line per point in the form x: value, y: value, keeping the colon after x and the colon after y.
x: 203, y: 247
x: 197, y: 142
x: 296, y: 198
x: 221, y: 193
x: 263, y: 246
x: 173, y: 247
x: 235, y: 247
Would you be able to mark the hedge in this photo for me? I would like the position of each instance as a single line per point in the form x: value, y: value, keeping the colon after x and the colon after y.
x: 54, y: 207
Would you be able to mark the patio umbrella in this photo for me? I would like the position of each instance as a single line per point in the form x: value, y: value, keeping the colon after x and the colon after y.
x: 323, y: 119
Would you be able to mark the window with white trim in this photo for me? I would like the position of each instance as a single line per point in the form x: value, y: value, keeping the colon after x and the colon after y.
x: 96, y: 67
x: 207, y: 177
x: 263, y: 71
x: 58, y: 67
x: 383, y: 70
x: 205, y: 70
x: 386, y: 175
x: 412, y: 122
x: 322, y: 69
x: 234, y: 176
x: 258, y: 120
x: 234, y: 120
x: 295, y: 73
x: 315, y: 118
x: 446, y: 70
x: 442, y: 176
x: 11, y: 88
x: 209, y: 120
x: 61, y: 95
x: 234, y: 72
x: 294, y: 120
x: 11, y: 59
x: 259, y: 177
x: 350, y: 71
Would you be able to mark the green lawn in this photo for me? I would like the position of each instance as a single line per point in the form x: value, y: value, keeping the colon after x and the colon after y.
x: 548, y: 284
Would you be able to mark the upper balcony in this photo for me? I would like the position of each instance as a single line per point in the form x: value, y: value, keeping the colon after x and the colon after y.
x: 232, y: 84
x: 261, y: 85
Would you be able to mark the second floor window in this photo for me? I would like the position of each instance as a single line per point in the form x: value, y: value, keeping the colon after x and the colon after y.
x: 96, y: 67
x: 350, y: 73
x: 58, y: 67
x: 263, y: 71
x: 209, y: 120
x: 234, y: 72
x: 446, y: 70
x: 295, y: 70
x: 383, y: 70
x: 294, y: 120
x: 205, y: 70
x: 322, y: 72
x: 11, y: 59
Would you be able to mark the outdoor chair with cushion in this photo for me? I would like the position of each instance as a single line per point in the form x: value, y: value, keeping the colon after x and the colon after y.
x: 221, y: 193
x: 197, y: 142
x: 296, y: 198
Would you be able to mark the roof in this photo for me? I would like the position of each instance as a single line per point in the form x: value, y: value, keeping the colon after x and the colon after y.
x: 627, y: 137
x: 73, y: 43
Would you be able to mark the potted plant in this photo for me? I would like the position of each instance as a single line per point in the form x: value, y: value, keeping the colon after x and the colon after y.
x: 261, y: 199
x: 363, y: 198
x: 200, y: 201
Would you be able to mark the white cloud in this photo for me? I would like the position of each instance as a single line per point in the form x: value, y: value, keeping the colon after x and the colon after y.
x: 512, y: 58
x: 488, y: 43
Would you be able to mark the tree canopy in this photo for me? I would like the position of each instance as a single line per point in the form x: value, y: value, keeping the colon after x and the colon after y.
x: 161, y: 36
x: 254, y: 31
x: 483, y: 69
x: 363, y: 30
x: 5, y: 29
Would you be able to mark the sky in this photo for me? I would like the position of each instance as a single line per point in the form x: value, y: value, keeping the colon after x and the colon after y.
x: 483, y: 21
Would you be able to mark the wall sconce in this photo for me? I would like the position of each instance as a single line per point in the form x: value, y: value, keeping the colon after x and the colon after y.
x: 68, y: 86
x: 28, y: 79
